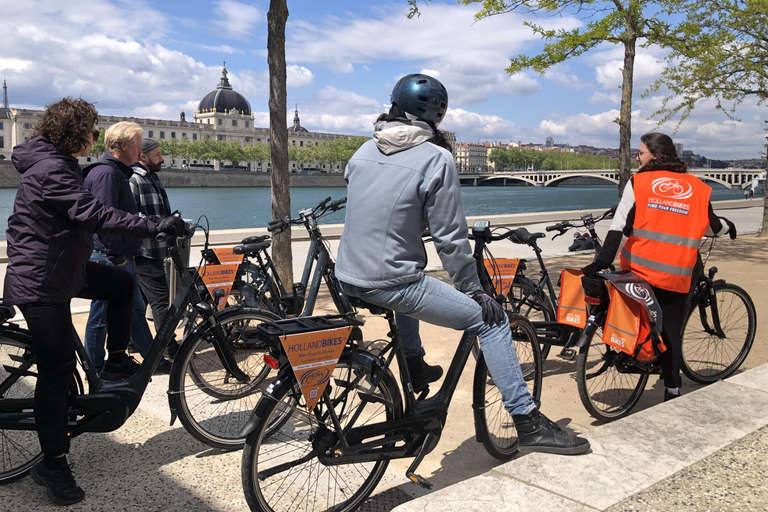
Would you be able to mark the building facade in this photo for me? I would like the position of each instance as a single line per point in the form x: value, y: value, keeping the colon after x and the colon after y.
x: 223, y: 115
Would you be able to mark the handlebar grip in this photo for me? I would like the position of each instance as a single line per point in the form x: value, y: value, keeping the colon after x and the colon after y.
x: 556, y: 227
x: 324, y: 202
x: 336, y: 205
x: 163, y: 236
x: 278, y: 225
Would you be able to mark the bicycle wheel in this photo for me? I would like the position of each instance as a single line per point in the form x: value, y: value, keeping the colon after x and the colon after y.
x: 307, y: 482
x: 608, y: 388
x: 211, y: 404
x: 536, y: 307
x: 707, y: 357
x: 498, y: 433
x: 20, y: 449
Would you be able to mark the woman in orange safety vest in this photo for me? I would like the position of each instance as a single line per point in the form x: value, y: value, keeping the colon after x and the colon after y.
x: 663, y: 212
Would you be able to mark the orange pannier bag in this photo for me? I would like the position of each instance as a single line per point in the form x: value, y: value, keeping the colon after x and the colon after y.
x: 628, y: 327
x: 571, y: 308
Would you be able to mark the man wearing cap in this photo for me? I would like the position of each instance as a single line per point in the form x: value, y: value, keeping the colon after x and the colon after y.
x: 151, y: 200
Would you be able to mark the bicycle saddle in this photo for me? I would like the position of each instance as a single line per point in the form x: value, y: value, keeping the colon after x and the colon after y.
x: 251, y: 249
x: 254, y: 239
x: 359, y: 303
x: 525, y: 237
x: 6, y: 313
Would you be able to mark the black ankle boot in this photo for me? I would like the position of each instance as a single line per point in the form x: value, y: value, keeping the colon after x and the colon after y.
x: 669, y: 396
x: 421, y: 373
x: 536, y: 433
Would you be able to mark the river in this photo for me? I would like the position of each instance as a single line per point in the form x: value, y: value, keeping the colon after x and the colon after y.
x: 234, y: 208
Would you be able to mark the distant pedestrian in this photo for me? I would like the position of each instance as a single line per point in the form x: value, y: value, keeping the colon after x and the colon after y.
x: 751, y: 193
x: 746, y: 194
x: 151, y: 200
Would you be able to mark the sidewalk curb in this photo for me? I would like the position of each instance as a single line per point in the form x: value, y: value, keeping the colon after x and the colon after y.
x: 627, y: 457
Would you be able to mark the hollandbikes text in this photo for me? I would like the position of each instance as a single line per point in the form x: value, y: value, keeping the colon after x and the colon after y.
x: 669, y: 206
x: 310, y: 345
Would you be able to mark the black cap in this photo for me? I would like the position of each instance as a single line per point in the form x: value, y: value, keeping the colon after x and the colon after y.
x: 148, y: 145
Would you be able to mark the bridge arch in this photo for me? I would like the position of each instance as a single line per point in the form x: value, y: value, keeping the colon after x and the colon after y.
x: 717, y: 178
x: 609, y: 177
x: 503, y: 179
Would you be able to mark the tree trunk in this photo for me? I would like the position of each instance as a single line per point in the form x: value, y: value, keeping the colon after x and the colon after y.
x: 625, y: 112
x: 764, y: 228
x: 278, y: 125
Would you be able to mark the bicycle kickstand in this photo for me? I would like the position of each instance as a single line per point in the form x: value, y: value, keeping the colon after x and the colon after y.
x: 419, y: 457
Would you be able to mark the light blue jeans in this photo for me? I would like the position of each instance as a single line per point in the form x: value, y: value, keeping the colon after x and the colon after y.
x: 96, y: 327
x: 439, y: 303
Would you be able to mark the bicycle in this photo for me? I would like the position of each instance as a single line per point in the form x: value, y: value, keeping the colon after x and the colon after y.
x: 337, y: 443
x: 717, y: 335
x: 108, y: 404
x: 535, y: 297
x: 202, y: 394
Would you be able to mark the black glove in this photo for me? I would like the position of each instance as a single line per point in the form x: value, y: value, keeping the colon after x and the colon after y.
x: 731, y: 228
x: 172, y: 225
x: 493, y: 313
x: 154, y: 218
x: 592, y: 269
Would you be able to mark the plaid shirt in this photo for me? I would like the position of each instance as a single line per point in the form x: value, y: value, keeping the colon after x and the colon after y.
x: 151, y: 199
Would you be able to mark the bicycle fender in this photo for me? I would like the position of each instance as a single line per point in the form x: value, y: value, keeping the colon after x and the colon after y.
x: 284, y: 378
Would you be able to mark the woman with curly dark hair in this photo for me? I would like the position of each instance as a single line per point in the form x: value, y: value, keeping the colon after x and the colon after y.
x: 664, y: 212
x: 49, y: 243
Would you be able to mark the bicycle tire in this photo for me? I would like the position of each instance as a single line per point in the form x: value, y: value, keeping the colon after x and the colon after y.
x: 20, y: 449
x: 211, y: 405
x: 607, y: 393
x: 311, y: 484
x: 536, y: 307
x: 494, y: 423
x: 706, y: 357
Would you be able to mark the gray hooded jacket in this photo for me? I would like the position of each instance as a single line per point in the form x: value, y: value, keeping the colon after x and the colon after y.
x: 398, y: 185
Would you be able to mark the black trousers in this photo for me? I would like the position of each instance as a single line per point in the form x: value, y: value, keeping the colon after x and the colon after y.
x: 54, y: 335
x: 154, y: 287
x: 672, y: 308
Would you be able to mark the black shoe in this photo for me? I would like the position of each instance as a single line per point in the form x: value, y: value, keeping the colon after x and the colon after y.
x: 59, y: 483
x: 164, y: 367
x: 119, y: 371
x: 669, y: 396
x: 173, y: 349
x: 421, y: 373
x: 536, y: 433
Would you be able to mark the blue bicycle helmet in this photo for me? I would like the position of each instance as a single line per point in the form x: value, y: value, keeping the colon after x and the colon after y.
x: 421, y: 97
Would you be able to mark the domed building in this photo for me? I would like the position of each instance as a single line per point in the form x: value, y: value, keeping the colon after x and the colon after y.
x: 224, y: 99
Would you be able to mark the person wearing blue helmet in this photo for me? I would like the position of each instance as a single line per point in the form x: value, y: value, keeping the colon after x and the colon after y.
x: 400, y: 184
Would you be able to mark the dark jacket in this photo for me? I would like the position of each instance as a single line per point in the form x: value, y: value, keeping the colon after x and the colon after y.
x: 108, y: 182
x: 50, y: 230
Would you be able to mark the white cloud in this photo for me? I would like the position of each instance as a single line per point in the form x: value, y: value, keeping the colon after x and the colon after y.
x: 236, y: 20
x: 298, y: 76
x: 224, y: 48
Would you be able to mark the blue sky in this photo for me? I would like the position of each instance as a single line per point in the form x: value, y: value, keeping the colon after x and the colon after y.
x: 151, y: 58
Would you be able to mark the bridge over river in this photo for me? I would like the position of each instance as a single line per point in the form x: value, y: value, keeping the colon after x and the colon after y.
x: 734, y: 179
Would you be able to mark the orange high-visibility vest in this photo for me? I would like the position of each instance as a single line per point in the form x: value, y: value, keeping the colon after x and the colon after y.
x: 671, y: 216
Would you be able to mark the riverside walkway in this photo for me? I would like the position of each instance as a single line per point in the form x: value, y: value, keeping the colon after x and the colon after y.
x: 707, y: 450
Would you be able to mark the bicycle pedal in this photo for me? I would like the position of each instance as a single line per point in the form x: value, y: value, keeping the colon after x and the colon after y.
x: 419, y: 480
x: 568, y: 354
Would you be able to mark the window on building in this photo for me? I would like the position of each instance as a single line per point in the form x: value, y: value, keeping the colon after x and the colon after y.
x: 27, y: 126
x: 247, y: 124
x: 247, y: 139
x: 234, y: 122
x: 221, y: 122
x: 2, y: 142
x: 162, y: 135
x: 173, y: 135
x: 183, y: 135
x: 1, y: 126
x: 151, y: 133
x: 221, y: 137
x: 194, y: 136
x: 301, y: 143
x: 258, y: 139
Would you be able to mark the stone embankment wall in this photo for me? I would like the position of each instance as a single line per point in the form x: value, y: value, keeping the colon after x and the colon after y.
x: 9, y: 178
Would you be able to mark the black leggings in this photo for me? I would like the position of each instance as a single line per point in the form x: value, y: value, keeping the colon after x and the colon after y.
x: 53, y: 336
x: 672, y: 308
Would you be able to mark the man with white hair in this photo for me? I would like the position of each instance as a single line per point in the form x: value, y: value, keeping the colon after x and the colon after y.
x: 108, y: 182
